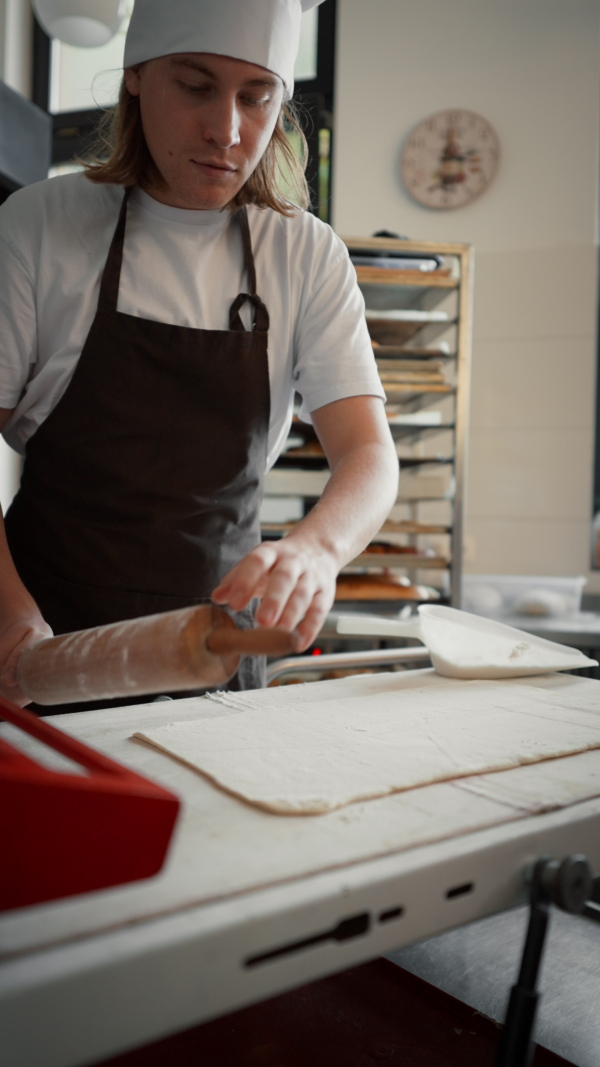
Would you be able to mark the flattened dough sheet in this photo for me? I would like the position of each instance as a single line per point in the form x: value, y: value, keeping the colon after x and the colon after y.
x: 313, y: 758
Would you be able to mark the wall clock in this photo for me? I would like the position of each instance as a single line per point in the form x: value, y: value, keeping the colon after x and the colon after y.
x: 450, y: 158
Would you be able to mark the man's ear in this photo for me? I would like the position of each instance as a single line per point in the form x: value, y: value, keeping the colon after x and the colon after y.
x: 133, y: 79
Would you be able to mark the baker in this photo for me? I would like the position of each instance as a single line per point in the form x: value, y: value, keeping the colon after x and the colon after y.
x: 157, y: 313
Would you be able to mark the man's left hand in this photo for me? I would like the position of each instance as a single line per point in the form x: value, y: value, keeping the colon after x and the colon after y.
x: 296, y: 586
x: 295, y: 578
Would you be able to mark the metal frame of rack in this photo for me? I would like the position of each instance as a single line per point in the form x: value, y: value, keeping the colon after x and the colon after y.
x: 421, y: 292
x: 459, y: 259
x: 408, y: 658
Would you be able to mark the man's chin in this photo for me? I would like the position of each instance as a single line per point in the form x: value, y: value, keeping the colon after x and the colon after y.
x: 190, y: 200
x: 206, y: 198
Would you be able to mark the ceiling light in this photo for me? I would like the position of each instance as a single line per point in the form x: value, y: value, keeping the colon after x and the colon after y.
x: 84, y: 23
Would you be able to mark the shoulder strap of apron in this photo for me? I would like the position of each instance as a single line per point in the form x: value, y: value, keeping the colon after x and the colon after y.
x: 261, y: 315
x: 109, y: 285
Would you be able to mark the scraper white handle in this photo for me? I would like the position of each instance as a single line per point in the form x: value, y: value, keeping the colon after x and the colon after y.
x: 373, y: 626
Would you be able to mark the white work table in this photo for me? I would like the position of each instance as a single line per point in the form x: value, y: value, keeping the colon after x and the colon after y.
x: 87, y: 977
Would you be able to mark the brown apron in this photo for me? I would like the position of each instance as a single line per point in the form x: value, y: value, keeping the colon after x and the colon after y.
x: 142, y: 488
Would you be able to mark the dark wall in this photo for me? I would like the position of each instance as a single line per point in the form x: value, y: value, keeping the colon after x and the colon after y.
x: 25, y: 141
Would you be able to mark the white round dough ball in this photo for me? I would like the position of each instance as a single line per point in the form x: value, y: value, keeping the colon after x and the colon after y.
x: 541, y: 602
x: 483, y: 600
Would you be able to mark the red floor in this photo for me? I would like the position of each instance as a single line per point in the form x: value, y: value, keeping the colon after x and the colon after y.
x: 361, y: 1018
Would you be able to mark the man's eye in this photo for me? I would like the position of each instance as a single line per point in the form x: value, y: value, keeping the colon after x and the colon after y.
x: 191, y: 88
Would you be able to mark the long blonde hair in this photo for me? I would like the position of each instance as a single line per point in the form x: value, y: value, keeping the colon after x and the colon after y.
x: 120, y: 156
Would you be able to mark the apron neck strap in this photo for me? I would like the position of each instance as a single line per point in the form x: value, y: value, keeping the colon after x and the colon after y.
x: 261, y: 315
x: 109, y: 285
x: 242, y: 217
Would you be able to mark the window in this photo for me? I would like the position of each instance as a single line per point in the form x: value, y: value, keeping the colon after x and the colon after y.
x: 314, y: 92
x: 76, y: 84
x: 84, y: 79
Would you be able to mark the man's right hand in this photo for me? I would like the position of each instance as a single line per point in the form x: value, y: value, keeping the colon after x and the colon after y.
x: 15, y: 636
x: 21, y: 624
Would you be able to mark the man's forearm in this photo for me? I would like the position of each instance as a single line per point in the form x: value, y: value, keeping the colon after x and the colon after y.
x: 355, y: 502
x: 21, y: 622
x: 295, y: 578
x: 14, y: 597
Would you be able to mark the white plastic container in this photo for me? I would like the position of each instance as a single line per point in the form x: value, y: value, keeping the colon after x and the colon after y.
x: 499, y: 596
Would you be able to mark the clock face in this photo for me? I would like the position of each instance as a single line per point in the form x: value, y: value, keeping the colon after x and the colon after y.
x: 450, y: 158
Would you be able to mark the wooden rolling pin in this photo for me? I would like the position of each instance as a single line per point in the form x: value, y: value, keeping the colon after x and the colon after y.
x: 177, y: 650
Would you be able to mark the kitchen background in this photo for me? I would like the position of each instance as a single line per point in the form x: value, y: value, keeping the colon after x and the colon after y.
x: 531, y: 67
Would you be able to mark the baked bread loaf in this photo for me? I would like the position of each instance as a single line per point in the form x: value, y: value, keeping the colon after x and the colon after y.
x: 381, y: 587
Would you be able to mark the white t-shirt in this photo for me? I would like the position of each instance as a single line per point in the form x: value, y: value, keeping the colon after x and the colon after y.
x: 182, y: 267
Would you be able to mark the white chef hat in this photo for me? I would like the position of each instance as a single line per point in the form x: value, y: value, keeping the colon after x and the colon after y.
x: 264, y: 32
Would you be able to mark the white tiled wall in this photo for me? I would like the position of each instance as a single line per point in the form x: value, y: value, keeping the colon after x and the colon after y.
x: 527, y: 382
x: 528, y: 546
x: 529, y: 474
x: 533, y: 412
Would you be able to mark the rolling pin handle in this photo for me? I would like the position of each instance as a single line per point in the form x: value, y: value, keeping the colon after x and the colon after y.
x: 258, y: 642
